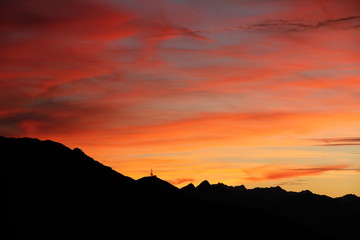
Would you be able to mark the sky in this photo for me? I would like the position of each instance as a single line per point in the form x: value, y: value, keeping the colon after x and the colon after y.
x: 254, y: 92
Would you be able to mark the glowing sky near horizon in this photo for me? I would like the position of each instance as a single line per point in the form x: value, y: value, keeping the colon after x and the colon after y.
x: 253, y: 92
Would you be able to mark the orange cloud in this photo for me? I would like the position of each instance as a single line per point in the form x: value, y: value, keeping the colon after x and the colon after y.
x: 331, y: 142
x: 273, y: 173
x: 231, y: 128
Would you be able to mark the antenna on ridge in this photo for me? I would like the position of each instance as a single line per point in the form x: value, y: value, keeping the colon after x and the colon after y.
x: 151, y: 173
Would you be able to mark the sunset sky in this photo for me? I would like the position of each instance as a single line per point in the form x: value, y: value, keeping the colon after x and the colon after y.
x: 254, y: 92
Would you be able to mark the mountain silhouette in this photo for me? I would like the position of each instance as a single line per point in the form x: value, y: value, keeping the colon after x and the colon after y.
x: 333, y: 216
x: 54, y: 192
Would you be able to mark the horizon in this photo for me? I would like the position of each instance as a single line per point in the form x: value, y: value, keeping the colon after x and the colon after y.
x: 195, y: 184
x: 152, y: 175
x: 255, y: 93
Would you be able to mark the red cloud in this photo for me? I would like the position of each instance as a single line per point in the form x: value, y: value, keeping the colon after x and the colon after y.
x: 144, y: 79
x: 178, y: 181
x: 62, y: 64
x: 64, y: 19
x: 274, y: 173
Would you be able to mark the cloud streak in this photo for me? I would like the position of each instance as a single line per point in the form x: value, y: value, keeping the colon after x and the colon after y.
x: 335, y: 142
x: 180, y: 181
x: 327, y: 169
x: 274, y: 173
x: 284, y: 25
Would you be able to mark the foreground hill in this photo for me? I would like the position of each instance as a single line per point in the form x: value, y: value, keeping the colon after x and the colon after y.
x: 54, y: 192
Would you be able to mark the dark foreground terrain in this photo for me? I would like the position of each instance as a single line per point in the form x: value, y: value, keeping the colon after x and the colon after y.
x: 53, y: 192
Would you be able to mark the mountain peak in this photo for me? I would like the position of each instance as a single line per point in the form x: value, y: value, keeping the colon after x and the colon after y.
x: 278, y: 189
x: 349, y: 198
x: 203, y: 185
x: 240, y: 188
x: 306, y: 192
x: 156, y: 184
x: 78, y: 150
x: 189, y: 187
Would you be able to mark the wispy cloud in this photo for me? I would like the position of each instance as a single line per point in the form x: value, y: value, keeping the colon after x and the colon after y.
x: 270, y: 25
x: 172, y: 32
x: 285, y: 25
x: 292, y: 183
x: 334, y: 142
x: 179, y: 181
x: 278, y: 172
x: 327, y: 169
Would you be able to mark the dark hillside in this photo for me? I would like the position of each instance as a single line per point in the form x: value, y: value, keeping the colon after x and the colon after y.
x: 53, y: 192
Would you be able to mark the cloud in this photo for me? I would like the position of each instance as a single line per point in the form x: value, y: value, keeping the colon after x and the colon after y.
x: 241, y: 128
x: 63, y: 65
x: 284, y: 25
x: 339, y: 144
x: 52, y: 116
x: 124, y: 79
x: 353, y: 21
x: 334, y: 142
x: 327, y: 169
x: 292, y: 183
x: 62, y: 19
x: 45, y: 43
x: 173, y: 32
x: 179, y: 181
x: 352, y: 139
x: 277, y: 172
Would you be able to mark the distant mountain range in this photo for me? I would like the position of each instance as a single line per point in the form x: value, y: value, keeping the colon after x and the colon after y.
x: 54, y: 192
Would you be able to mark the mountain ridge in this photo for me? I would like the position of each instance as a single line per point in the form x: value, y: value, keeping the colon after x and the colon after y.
x: 204, y: 183
x: 52, y: 191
